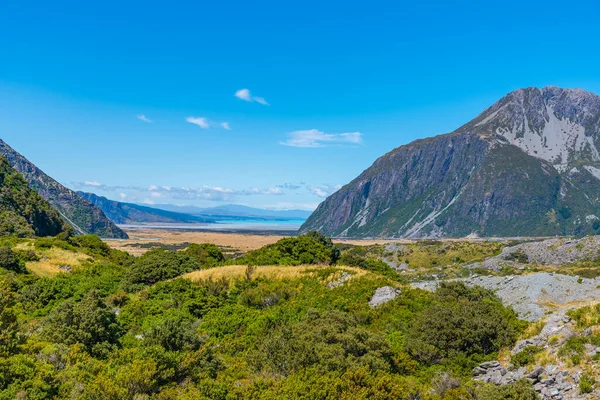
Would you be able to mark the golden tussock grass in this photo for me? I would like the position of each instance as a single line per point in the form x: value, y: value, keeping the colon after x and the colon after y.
x: 51, y: 259
x: 228, y: 240
x: 269, y: 271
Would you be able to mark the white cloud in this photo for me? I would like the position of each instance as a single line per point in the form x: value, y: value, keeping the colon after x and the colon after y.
x: 273, y: 191
x: 323, y: 190
x: 315, y: 138
x: 246, y: 95
x: 319, y: 192
x: 243, y: 94
x: 92, y: 183
x: 260, y: 100
x: 123, y: 196
x: 199, y: 121
x: 205, y: 123
x: 142, y: 117
x: 293, y: 206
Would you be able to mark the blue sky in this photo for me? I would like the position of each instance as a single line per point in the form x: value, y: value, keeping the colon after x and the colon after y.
x: 331, y: 86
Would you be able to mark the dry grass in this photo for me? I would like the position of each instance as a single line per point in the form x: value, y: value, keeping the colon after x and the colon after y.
x: 51, y: 259
x: 235, y: 241
x: 270, y: 271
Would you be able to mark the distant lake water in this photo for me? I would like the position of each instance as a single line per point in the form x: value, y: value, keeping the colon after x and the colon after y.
x: 238, y: 224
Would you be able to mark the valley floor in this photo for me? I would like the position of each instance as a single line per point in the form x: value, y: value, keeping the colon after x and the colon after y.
x: 143, y: 239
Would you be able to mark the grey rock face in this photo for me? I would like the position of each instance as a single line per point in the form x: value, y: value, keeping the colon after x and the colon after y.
x: 530, y: 294
x: 547, y: 252
x: 383, y: 295
x: 525, y: 167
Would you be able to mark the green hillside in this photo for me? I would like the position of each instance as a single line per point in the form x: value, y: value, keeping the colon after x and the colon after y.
x: 123, y: 327
x: 23, y: 212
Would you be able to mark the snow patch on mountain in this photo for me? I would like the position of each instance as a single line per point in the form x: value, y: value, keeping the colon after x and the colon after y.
x: 593, y: 170
x: 555, y: 142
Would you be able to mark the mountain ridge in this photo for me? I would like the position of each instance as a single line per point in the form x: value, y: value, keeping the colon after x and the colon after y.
x: 129, y: 213
x: 81, y: 214
x: 527, y: 165
x: 23, y: 212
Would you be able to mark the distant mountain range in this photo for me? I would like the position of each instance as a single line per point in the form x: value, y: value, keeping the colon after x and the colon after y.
x: 78, y: 212
x: 527, y: 166
x: 236, y: 210
x: 129, y: 213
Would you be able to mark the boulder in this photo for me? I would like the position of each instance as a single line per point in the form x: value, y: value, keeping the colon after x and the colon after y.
x: 383, y: 295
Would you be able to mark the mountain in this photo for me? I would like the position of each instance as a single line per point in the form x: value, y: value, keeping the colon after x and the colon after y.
x: 127, y: 213
x: 527, y: 166
x: 82, y: 215
x: 236, y: 210
x: 23, y: 212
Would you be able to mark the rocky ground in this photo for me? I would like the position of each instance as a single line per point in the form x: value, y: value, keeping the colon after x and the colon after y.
x: 555, y: 252
x: 534, y: 296
x: 545, y: 297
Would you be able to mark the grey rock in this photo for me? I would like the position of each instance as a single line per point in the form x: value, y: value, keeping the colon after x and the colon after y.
x: 339, y: 282
x: 383, y: 295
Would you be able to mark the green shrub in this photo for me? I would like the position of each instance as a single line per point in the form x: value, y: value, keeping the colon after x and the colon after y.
x: 305, y: 249
x: 463, y: 322
x: 205, y: 254
x: 9, y: 260
x: 155, y: 266
x: 586, y: 383
x: 525, y: 356
x: 520, y: 390
x: 93, y: 244
x: 519, y: 256
x: 90, y: 323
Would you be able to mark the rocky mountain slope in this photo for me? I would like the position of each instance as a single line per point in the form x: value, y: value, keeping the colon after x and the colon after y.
x: 527, y: 166
x: 23, y: 212
x: 127, y: 213
x: 74, y: 209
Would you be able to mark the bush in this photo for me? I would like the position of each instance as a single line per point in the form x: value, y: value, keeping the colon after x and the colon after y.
x: 519, y: 256
x: 90, y: 323
x: 155, y: 266
x: 10, y: 261
x: 9, y: 327
x: 352, y: 259
x: 173, y: 334
x: 305, y: 249
x: 93, y: 244
x: 205, y: 254
x: 520, y: 390
x: 462, y: 322
x: 525, y: 356
x: 586, y: 383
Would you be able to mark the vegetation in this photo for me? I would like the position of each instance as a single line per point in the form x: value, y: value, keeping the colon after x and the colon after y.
x: 205, y: 254
x: 120, y: 327
x: 312, y: 248
x: 23, y: 212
